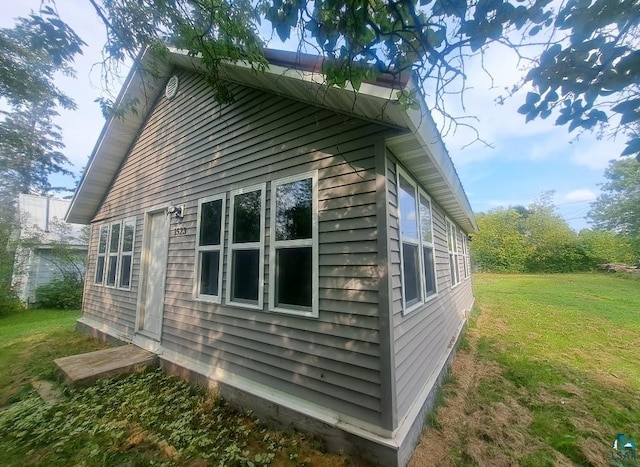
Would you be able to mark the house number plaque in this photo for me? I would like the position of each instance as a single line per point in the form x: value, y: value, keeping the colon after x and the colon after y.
x: 179, y: 231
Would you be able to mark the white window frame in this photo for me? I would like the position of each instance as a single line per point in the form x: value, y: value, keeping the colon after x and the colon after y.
x: 122, y: 253
x: 111, y: 254
x: 466, y: 263
x: 203, y: 248
x: 259, y: 245
x: 103, y: 255
x: 421, y: 287
x: 432, y: 245
x: 275, y: 245
x: 452, y: 247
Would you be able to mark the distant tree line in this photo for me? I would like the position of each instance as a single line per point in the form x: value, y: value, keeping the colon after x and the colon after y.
x: 536, y: 239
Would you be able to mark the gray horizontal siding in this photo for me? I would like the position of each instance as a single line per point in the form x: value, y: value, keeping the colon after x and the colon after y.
x: 190, y: 148
x: 422, y: 337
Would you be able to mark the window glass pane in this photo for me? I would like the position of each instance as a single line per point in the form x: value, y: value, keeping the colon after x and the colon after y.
x: 294, y: 210
x: 209, y: 272
x: 210, y: 222
x: 411, y: 273
x: 294, y: 277
x: 244, y: 283
x: 114, y: 243
x: 100, y: 270
x: 454, y: 268
x: 125, y: 274
x: 127, y: 237
x: 408, y: 222
x: 246, y: 217
x: 429, y: 274
x: 425, y: 221
x: 104, y: 238
x: 111, y: 270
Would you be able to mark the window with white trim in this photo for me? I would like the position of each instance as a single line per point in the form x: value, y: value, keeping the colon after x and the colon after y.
x: 409, y: 242
x: 103, y: 238
x: 112, y: 254
x: 246, y: 247
x: 293, y: 249
x: 210, y: 241
x: 452, y: 245
x: 126, y: 253
x: 428, y: 251
x: 466, y: 263
x: 114, y: 262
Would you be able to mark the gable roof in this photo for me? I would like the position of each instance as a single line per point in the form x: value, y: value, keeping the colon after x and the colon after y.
x: 297, y: 76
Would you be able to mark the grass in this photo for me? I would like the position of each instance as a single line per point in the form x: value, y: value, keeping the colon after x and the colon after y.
x: 549, y: 375
x: 144, y: 419
x: 30, y: 341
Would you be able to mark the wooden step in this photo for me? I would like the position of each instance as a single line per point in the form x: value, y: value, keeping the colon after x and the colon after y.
x: 85, y: 369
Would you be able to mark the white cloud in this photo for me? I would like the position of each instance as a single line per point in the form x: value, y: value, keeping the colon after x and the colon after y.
x: 581, y: 194
x: 595, y: 154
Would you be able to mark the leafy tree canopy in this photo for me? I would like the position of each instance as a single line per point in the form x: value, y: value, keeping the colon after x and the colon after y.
x: 618, y: 207
x: 31, y: 52
x: 587, y: 74
x: 536, y: 239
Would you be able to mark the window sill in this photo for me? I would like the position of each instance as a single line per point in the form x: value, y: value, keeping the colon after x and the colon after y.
x: 299, y: 313
x: 207, y: 299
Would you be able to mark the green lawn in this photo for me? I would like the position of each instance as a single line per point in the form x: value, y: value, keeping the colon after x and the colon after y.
x: 548, y: 375
x: 30, y: 341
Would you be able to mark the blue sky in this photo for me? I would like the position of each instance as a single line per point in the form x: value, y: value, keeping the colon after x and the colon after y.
x: 524, y: 161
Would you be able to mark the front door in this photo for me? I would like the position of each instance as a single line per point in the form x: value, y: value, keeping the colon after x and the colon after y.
x: 154, y: 269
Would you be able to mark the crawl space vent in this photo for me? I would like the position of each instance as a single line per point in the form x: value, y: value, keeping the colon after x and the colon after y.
x: 172, y: 87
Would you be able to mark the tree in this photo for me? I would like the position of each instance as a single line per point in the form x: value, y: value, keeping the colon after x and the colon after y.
x: 604, y: 246
x: 500, y: 245
x: 31, y: 52
x: 536, y: 239
x: 30, y: 148
x: 553, y: 244
x: 589, y: 72
x: 361, y: 39
x: 617, y: 209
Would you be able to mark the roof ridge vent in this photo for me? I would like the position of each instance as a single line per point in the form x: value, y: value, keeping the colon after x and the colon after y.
x: 172, y: 87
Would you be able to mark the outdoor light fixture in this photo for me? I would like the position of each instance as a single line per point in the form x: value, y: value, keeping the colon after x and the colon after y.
x: 176, y: 211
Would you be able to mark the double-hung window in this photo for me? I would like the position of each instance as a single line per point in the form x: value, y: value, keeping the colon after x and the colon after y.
x: 114, y: 263
x: 210, y: 241
x: 246, y: 247
x: 428, y: 252
x: 452, y: 244
x: 103, y: 238
x: 293, y: 248
x: 126, y: 253
x: 417, y: 248
x: 410, y: 242
x: 113, y: 253
x: 466, y: 264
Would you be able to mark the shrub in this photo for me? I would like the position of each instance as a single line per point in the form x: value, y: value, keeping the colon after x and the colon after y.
x: 9, y: 302
x: 64, y: 294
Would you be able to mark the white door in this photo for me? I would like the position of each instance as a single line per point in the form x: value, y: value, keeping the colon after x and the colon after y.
x: 154, y: 274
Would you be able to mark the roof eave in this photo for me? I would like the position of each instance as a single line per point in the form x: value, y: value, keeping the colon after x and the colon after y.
x: 143, y: 84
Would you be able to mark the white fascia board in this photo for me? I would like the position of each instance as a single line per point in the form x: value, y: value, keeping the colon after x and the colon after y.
x: 423, y: 128
x: 116, y: 138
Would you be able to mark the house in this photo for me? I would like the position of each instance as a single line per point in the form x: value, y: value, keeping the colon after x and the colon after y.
x: 303, y: 249
x: 41, y: 233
